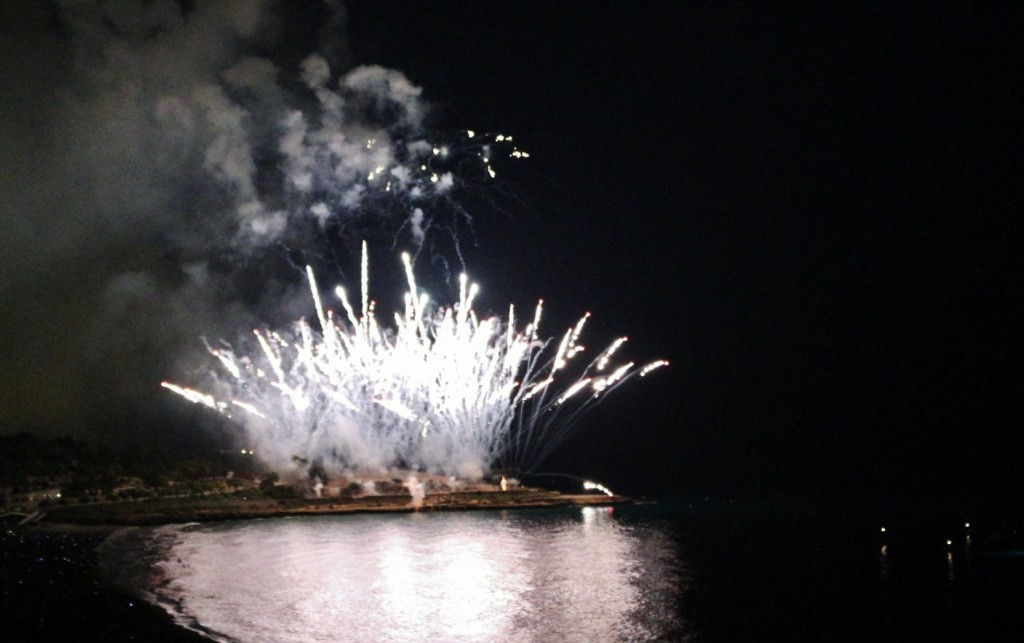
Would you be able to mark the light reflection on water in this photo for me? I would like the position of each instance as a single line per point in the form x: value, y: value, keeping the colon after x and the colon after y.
x: 568, y: 575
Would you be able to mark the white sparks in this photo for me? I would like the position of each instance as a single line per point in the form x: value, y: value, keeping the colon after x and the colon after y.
x: 606, y: 356
x: 442, y: 390
x: 653, y: 365
x: 593, y: 486
x: 192, y: 395
x: 249, y: 407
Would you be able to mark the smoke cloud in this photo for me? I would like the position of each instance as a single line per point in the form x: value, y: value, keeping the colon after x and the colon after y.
x: 163, y: 166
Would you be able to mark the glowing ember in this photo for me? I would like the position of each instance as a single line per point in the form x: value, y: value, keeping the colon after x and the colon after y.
x: 442, y: 390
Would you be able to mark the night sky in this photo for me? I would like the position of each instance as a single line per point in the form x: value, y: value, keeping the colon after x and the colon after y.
x: 814, y: 214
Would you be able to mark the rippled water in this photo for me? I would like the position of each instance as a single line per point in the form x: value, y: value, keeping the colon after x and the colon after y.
x: 537, y: 575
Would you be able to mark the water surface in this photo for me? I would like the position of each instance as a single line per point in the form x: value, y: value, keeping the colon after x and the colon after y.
x: 537, y: 575
x: 700, y: 571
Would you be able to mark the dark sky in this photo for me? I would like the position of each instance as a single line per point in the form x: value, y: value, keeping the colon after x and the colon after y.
x: 813, y: 213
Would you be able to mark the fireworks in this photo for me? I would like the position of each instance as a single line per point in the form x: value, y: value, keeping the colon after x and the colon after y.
x: 440, y: 390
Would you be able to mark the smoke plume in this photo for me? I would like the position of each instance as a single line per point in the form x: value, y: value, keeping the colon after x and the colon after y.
x: 163, y: 167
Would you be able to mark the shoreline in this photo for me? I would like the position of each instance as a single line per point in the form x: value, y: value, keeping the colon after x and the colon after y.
x: 105, y: 517
x: 53, y: 590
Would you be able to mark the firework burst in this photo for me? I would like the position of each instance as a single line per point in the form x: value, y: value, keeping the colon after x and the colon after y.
x: 440, y: 389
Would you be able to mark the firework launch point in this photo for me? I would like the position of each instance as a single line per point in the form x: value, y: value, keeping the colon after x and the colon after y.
x: 182, y: 510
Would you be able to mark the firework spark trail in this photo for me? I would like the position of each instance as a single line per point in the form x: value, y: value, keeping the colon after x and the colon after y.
x: 442, y: 391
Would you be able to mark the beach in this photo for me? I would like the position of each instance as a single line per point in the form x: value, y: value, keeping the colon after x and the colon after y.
x: 52, y: 590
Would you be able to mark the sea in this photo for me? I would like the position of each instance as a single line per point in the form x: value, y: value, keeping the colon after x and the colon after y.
x: 694, y: 569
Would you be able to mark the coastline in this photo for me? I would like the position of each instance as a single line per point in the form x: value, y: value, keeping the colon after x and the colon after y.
x: 181, y: 510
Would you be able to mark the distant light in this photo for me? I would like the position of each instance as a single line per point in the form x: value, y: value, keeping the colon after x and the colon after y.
x: 949, y: 542
x: 967, y: 525
x: 883, y: 530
